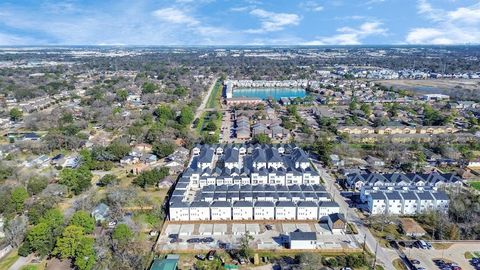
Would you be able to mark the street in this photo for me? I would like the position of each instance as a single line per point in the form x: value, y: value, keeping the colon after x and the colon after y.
x: 384, y: 256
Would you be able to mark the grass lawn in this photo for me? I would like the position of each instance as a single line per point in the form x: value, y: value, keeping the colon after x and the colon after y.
x: 398, y: 264
x: 213, y: 101
x: 9, y: 260
x: 475, y: 185
x: 442, y: 245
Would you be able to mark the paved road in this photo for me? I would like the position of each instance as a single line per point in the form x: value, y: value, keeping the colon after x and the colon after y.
x: 384, y: 256
x: 20, y: 262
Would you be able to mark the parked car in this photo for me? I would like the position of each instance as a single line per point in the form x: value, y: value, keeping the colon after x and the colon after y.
x: 415, y: 261
x: 211, y: 255
x: 207, y: 240
x: 193, y: 240
x: 200, y: 257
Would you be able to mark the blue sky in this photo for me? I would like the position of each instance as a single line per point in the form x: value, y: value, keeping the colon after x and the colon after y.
x: 239, y: 22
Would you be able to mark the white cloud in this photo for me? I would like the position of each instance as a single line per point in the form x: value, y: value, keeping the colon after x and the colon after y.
x: 10, y: 40
x: 311, y: 6
x: 175, y: 16
x: 271, y: 21
x: 459, y: 26
x: 351, y: 36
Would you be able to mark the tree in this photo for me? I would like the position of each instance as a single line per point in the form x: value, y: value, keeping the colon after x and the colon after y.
x: 210, y: 139
x: 366, y: 109
x: 41, y: 239
x: 245, y: 249
x: 36, y: 184
x: 353, y: 105
x: 15, y: 230
x: 186, y: 116
x: 122, y: 94
x: 323, y: 147
x: 83, y: 219
x: 108, y: 179
x: 149, y: 88
x: 85, y: 254
x: 18, y: 197
x: 181, y: 91
x: 16, y: 114
x: 66, y: 246
x: 210, y: 126
x: 262, y: 139
x: 122, y: 234
x: 309, y: 261
x: 118, y: 150
x: 77, y: 180
x: 152, y: 177
x: 163, y: 149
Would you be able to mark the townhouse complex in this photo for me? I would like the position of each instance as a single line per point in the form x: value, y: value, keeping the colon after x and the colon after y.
x: 250, y: 182
x: 403, y: 194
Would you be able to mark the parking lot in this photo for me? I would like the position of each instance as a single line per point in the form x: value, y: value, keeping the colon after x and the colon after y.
x: 455, y: 253
x: 230, y: 233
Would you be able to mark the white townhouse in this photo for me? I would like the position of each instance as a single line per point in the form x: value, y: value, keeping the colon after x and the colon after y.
x: 394, y: 203
x: 242, y: 210
x: 307, y: 210
x: 179, y: 211
x: 264, y: 211
x: 426, y: 202
x: 285, y: 210
x: 441, y: 201
x: 377, y: 203
x: 199, y: 210
x: 300, y: 158
x: 327, y: 208
x: 410, y: 202
x: 221, y: 210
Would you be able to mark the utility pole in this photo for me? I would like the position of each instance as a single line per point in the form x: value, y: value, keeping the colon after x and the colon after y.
x: 375, y: 260
x: 364, y: 243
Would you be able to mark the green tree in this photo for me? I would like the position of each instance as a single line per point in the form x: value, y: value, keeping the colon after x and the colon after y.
x: 245, y: 249
x: 16, y: 114
x: 164, y: 113
x: 18, y: 197
x: 41, y: 239
x: 122, y: 234
x: 149, y: 88
x: 118, y: 150
x: 323, y: 147
x: 262, y: 139
x: 85, y: 254
x: 122, y: 94
x: 83, y: 219
x: 36, y: 184
x: 366, y: 109
x: 353, y: 105
x: 210, y: 126
x: 77, y: 180
x: 163, y: 149
x: 181, y: 91
x: 108, y: 179
x: 67, y: 244
x: 152, y: 177
x: 210, y: 139
x: 186, y: 116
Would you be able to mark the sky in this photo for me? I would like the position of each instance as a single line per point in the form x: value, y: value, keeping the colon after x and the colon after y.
x: 239, y: 22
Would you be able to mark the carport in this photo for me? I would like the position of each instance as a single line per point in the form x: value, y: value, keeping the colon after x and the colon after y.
x: 288, y: 228
x: 186, y: 229
x: 172, y: 229
x: 303, y: 227
x: 219, y: 229
x: 253, y: 228
x: 205, y: 229
x: 238, y: 229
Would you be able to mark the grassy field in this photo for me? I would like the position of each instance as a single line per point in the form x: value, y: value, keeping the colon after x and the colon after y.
x: 9, y: 260
x: 475, y: 185
x: 214, y: 99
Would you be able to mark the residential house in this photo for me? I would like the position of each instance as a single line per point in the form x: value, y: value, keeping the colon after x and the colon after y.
x: 302, y: 240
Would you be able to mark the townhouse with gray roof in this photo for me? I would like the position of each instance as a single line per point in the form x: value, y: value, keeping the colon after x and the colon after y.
x: 249, y: 182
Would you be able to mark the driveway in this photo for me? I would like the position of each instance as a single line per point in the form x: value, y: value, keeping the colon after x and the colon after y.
x: 385, y: 256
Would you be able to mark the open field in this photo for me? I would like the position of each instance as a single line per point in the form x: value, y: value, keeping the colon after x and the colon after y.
x: 452, y: 87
